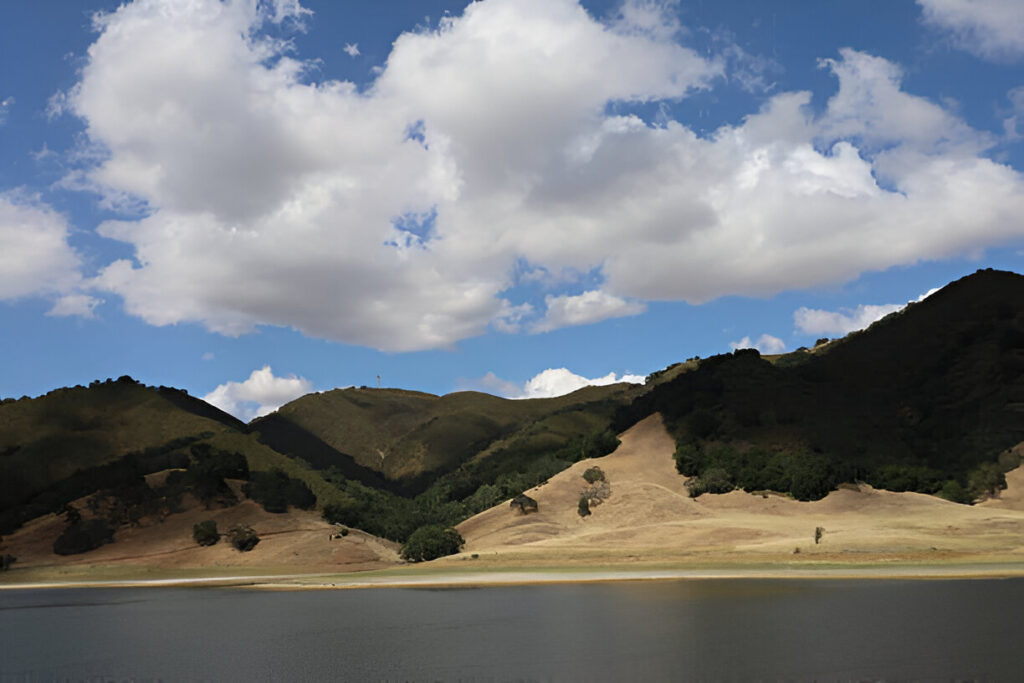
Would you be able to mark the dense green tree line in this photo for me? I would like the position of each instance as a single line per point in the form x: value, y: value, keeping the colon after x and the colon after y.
x: 461, y: 494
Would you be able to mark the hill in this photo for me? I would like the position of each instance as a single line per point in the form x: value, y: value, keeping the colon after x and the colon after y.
x: 649, y: 518
x: 929, y: 400
x: 403, y: 440
x: 924, y: 400
x: 72, y: 442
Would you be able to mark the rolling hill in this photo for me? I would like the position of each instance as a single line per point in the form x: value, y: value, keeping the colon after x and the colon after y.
x: 918, y: 401
x: 929, y: 400
x: 403, y: 440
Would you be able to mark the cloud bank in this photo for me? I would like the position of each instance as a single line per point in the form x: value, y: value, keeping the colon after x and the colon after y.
x: 548, y: 384
x: 260, y: 394
x: 815, y: 321
x: 404, y: 216
x: 991, y: 29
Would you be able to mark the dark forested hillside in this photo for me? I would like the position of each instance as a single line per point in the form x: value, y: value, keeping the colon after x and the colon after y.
x: 919, y: 401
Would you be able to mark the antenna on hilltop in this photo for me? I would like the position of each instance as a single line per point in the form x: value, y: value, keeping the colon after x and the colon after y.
x: 378, y: 381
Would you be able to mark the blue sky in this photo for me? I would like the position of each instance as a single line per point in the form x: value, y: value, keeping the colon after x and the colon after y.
x: 252, y: 200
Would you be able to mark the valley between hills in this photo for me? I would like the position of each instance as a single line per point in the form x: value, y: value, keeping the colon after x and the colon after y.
x: 893, y: 451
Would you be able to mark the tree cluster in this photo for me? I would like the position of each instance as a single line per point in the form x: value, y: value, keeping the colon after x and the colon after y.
x: 275, y: 491
x: 431, y: 542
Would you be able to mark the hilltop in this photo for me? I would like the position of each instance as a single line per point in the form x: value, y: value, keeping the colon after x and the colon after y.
x: 402, y: 440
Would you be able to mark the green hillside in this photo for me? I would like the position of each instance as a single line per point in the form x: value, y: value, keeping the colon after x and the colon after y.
x: 70, y: 442
x: 410, y: 437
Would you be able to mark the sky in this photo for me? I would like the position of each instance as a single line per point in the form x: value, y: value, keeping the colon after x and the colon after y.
x: 252, y: 200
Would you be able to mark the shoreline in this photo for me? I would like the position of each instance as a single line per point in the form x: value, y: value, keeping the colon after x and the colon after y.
x: 438, y: 577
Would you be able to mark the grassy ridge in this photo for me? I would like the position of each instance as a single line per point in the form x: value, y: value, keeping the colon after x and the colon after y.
x: 414, y: 437
x: 47, y: 439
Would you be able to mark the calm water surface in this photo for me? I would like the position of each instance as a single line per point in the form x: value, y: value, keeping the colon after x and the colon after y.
x: 679, y: 630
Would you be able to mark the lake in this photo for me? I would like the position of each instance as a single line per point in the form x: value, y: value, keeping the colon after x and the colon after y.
x: 665, y: 630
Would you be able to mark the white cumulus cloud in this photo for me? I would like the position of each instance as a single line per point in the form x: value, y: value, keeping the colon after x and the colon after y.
x: 583, y: 309
x: 547, y: 384
x: 561, y: 381
x: 815, y: 321
x: 35, y: 257
x: 260, y: 394
x: 399, y: 218
x: 77, y: 304
x: 766, y: 343
x: 351, y: 49
x: 992, y: 29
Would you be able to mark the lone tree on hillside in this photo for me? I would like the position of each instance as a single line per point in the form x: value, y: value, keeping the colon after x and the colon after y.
x: 524, y: 504
x: 594, y: 474
x: 205, y: 533
x: 431, y: 542
x: 584, y: 507
x: 243, y: 538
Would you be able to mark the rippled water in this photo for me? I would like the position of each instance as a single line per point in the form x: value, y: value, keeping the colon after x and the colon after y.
x: 673, y: 630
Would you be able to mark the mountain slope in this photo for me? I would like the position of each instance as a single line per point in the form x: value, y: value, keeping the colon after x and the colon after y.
x: 650, y: 518
x: 411, y: 437
x: 71, y: 442
x: 918, y: 401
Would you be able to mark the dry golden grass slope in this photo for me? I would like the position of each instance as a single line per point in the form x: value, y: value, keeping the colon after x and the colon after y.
x: 649, y: 518
x: 294, y: 542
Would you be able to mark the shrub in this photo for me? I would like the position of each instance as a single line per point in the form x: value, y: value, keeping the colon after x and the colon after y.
x: 431, y: 542
x: 985, y: 480
x: 954, y: 491
x: 818, y: 533
x: 205, y: 533
x: 83, y: 536
x: 6, y: 561
x: 688, y: 459
x: 584, y: 507
x: 593, y: 474
x: 243, y: 538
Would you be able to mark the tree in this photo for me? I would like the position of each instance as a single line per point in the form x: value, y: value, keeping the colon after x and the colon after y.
x: 584, y: 507
x: 275, y: 491
x: 243, y: 538
x: 6, y: 561
x: 985, y: 480
x: 431, y: 542
x: 205, y: 533
x: 83, y: 536
x: 818, y: 533
x: 593, y: 474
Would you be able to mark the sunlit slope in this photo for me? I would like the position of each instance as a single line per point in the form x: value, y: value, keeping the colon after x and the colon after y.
x: 649, y: 517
